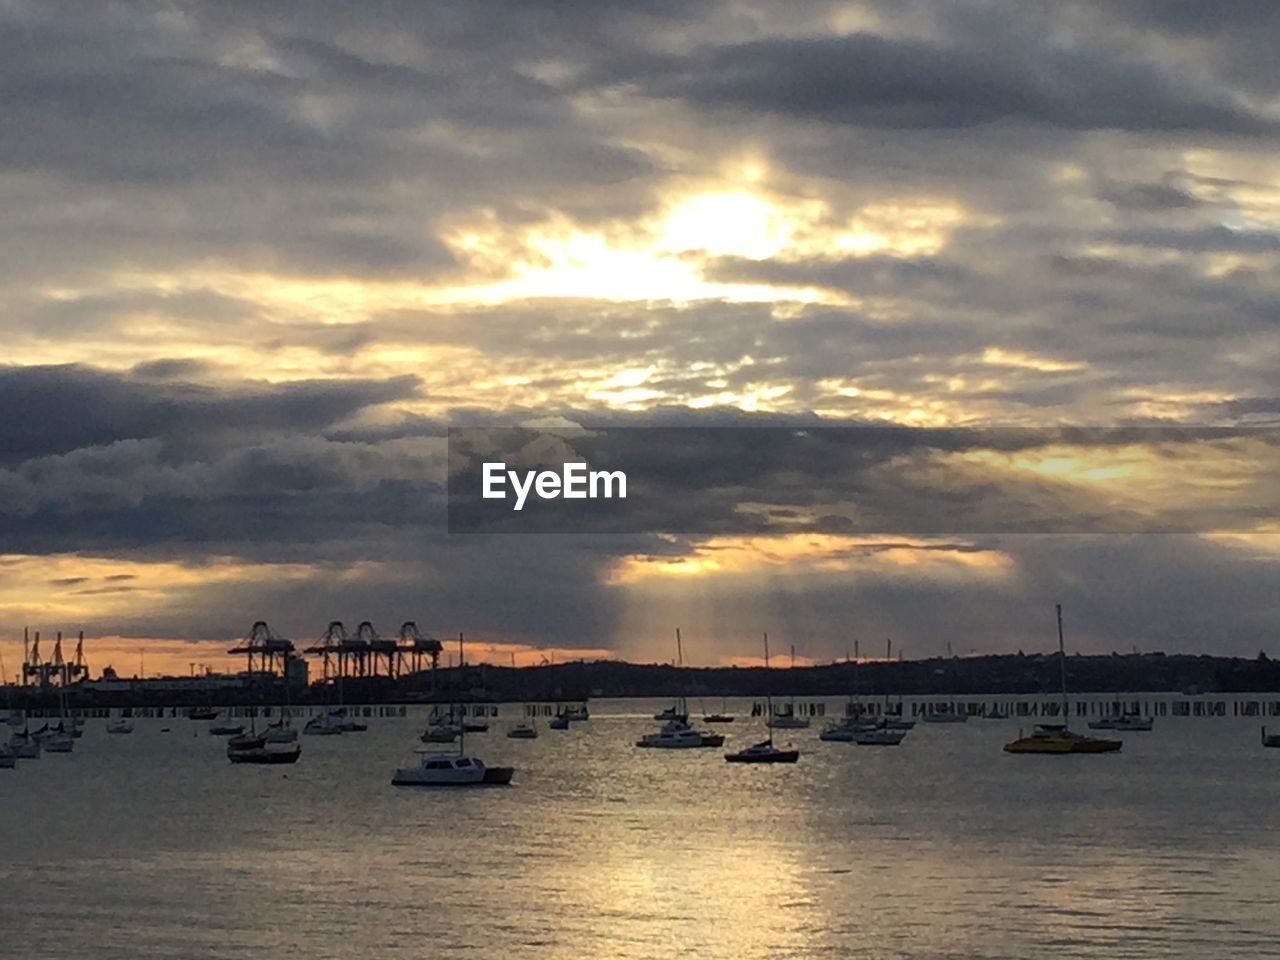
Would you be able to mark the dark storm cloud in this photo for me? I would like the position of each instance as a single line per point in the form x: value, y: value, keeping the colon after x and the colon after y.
x: 873, y: 81
x: 58, y: 409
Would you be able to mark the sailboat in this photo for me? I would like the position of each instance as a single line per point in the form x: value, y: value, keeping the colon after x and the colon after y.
x: 722, y: 717
x: 253, y: 747
x: 1057, y: 737
x: 787, y: 718
x: 24, y: 744
x: 765, y: 751
x: 256, y: 748
x: 676, y: 734
x: 452, y: 770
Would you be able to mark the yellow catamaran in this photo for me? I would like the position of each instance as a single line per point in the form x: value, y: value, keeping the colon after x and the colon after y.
x: 1056, y: 737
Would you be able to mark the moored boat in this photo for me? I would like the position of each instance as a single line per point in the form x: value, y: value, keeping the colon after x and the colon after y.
x: 251, y: 749
x: 24, y: 746
x: 765, y: 751
x: 445, y: 770
x: 1057, y: 738
x: 523, y: 731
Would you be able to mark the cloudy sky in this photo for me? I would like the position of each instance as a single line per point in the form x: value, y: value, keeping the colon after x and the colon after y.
x: 255, y: 259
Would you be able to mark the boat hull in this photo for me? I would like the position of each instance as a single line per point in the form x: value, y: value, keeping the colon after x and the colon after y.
x: 414, y: 777
x: 780, y: 756
x: 1056, y: 747
x: 262, y: 755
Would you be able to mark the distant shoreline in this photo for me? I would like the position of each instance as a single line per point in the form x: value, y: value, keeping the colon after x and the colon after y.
x: 997, y: 675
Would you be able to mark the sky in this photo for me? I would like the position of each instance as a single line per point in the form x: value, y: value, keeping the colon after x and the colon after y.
x: 255, y: 260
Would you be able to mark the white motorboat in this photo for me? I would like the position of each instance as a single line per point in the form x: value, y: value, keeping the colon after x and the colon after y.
x: 451, y: 770
x: 444, y: 770
x: 673, y: 736
x: 120, y: 725
x: 523, y: 731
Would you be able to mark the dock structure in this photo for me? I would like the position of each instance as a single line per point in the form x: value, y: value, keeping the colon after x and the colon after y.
x: 57, y: 670
x: 264, y: 650
x: 413, y: 647
x: 381, y: 659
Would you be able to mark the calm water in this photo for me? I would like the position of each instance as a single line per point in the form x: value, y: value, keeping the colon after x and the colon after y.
x: 153, y: 846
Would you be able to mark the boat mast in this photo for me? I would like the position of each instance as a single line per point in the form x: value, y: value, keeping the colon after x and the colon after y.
x: 1062, y: 665
x: 682, y: 706
x: 462, y: 723
x: 768, y: 697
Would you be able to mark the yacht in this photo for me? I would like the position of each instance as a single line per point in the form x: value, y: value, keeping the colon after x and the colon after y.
x: 447, y: 770
x: 326, y: 724
x: 675, y: 735
x: 251, y: 749
x: 451, y: 770
x: 24, y: 745
x: 764, y: 751
x: 1056, y: 738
